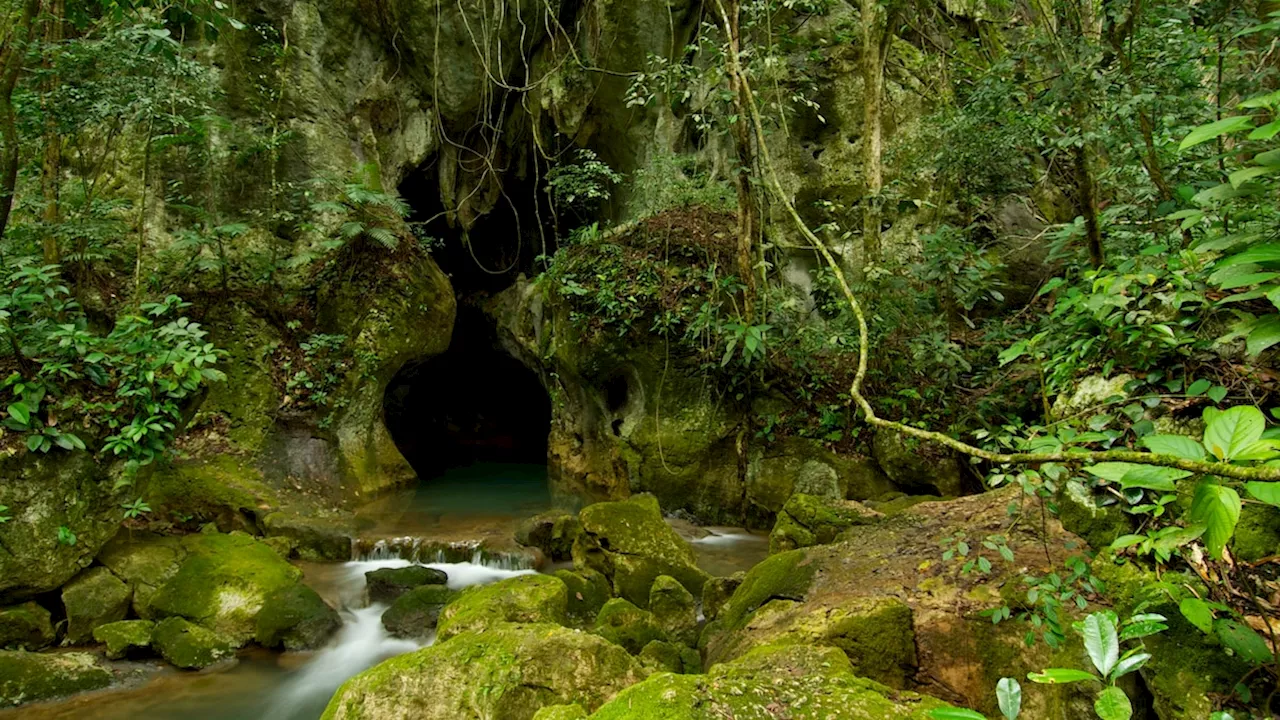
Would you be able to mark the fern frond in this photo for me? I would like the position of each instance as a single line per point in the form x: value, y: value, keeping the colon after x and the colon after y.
x: 351, y: 229
x: 384, y: 237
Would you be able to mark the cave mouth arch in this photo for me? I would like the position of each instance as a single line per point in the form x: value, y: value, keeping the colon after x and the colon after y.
x: 474, y: 418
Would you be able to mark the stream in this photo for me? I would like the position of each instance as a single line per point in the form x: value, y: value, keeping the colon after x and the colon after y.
x: 408, y: 528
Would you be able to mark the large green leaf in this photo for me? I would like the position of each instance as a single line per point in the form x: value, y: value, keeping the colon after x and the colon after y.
x: 1059, y: 676
x: 1218, y: 507
x: 1113, y: 704
x: 1205, y: 133
x: 1266, y: 132
x: 1243, y: 641
x: 1234, y: 430
x: 1264, y: 253
x: 1009, y: 697
x: 1244, y: 175
x: 1197, y: 612
x: 1175, y: 445
x: 1135, y: 475
x: 955, y: 714
x: 1267, y: 492
x: 18, y: 411
x: 1265, y: 333
x: 1101, y: 642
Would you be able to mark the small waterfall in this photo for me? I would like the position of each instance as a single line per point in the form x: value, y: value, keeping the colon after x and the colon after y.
x: 424, y: 551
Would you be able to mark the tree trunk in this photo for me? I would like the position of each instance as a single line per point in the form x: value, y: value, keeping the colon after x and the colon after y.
x: 51, y: 167
x: 748, y: 222
x: 12, y: 53
x: 1088, y: 197
x: 1086, y: 181
x: 874, y: 35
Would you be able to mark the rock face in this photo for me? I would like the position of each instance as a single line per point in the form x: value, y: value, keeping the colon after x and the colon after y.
x: 811, y: 520
x: 629, y: 543
x: 524, y: 599
x: 416, y: 613
x: 26, y: 627
x: 296, y: 618
x: 883, y: 596
x: 30, y: 677
x: 387, y: 584
x: 916, y: 466
x: 222, y: 583
x: 551, y: 532
x: 124, y: 637
x: 94, y: 597
x: 803, y: 683
x: 506, y: 673
x: 312, y: 538
x: 188, y: 645
x: 145, y: 562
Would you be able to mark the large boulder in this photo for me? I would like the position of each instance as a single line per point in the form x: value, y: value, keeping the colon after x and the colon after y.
x: 124, y: 637
x: 30, y: 677
x: 812, y: 520
x: 387, y: 584
x: 312, y: 537
x: 223, y: 583
x: 717, y: 591
x: 26, y: 626
x: 94, y: 597
x: 627, y: 626
x: 522, y: 599
x: 588, y: 592
x: 506, y: 673
x: 296, y: 618
x: 416, y: 613
x: 675, y: 610
x: 918, y: 466
x: 630, y: 543
x: 552, y: 532
x: 145, y: 562
x: 800, y: 683
x: 189, y: 646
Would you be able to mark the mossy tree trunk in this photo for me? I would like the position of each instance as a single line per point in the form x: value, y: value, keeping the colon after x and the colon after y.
x: 748, y: 217
x: 876, y: 34
x: 51, y: 166
x: 13, y: 47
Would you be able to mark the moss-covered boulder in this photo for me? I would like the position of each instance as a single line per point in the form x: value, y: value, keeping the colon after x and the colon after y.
x: 295, y: 618
x: 917, y: 466
x: 30, y: 677
x: 145, y: 562
x: 630, y: 543
x: 717, y: 592
x: 415, y: 614
x: 509, y: 672
x: 561, y: 712
x: 189, y: 646
x: 588, y: 592
x: 313, y: 537
x: 812, y: 520
x: 223, y: 583
x: 624, y: 624
x: 1083, y: 514
x: 124, y: 637
x: 801, y: 683
x: 675, y: 610
x: 25, y: 627
x: 387, y: 584
x: 521, y: 599
x: 664, y: 656
x: 94, y: 597
x: 552, y: 532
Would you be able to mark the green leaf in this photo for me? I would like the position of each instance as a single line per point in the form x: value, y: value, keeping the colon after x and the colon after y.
x: 1213, y: 130
x: 1243, y: 641
x: 1009, y: 696
x: 1113, y: 704
x: 1199, y: 387
x: 18, y: 411
x: 1243, y: 175
x: 1218, y: 507
x: 1258, y: 254
x: 955, y: 714
x: 1217, y: 393
x: 1266, y: 132
x: 1265, y: 333
x: 1175, y: 445
x: 1059, y: 676
x: 1234, y: 430
x: 1129, y: 664
x: 1197, y: 612
x: 1267, y: 492
x: 1133, y: 475
x: 1101, y: 642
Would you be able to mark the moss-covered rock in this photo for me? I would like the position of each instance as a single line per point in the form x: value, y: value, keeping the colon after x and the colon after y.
x: 311, y: 537
x: 415, y: 614
x: 523, y: 599
x: 675, y: 610
x: 561, y: 712
x: 1081, y: 513
x: 387, y: 584
x: 811, y: 520
x: 717, y: 592
x: 506, y: 673
x: 227, y: 490
x: 189, y: 646
x: 896, y: 503
x: 588, y: 592
x: 552, y: 532
x: 146, y: 562
x: 630, y: 543
x: 915, y: 465
x: 802, y: 683
x: 295, y: 618
x: 25, y: 627
x: 94, y: 597
x: 1257, y: 534
x: 124, y: 637
x: 30, y: 677
x: 661, y: 656
x: 626, y: 625
x: 223, y: 583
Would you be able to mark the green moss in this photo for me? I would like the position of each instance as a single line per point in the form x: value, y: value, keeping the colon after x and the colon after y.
x: 525, y: 598
x: 588, y: 592
x: 551, y: 532
x: 223, y: 488
x: 387, y: 584
x: 624, y: 624
x: 145, y: 562
x: 125, y: 636
x: 313, y: 538
x: 1257, y: 534
x: 223, y: 583
x: 415, y: 613
x: 561, y: 712
x: 509, y: 671
x: 26, y: 626
x: 632, y: 545
x: 296, y: 618
x: 717, y: 591
x: 661, y: 656
x: 898, y: 503
x: 787, y: 575
x: 94, y: 597
x: 1081, y: 514
x: 808, y: 520
x: 30, y: 677
x: 187, y: 645
x: 878, y: 637
x: 675, y: 610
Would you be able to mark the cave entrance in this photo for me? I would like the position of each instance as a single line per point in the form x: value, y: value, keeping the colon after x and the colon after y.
x: 473, y: 422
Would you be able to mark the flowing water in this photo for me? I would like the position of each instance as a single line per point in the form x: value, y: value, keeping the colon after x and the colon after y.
x: 461, y: 523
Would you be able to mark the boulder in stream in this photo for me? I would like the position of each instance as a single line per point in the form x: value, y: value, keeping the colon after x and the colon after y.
x: 296, y: 618
x: 188, y: 645
x: 508, y: 672
x: 812, y: 520
x: 628, y: 626
x: 552, y: 532
x: 311, y: 537
x: 675, y: 610
x: 387, y: 584
x: 30, y: 677
x: 124, y: 637
x: 524, y: 599
x: 26, y: 626
x: 92, y: 598
x: 415, y: 614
